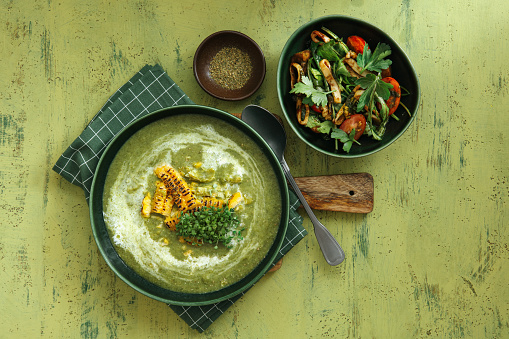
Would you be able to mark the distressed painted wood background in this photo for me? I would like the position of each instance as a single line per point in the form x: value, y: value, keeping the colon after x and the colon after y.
x: 430, y: 261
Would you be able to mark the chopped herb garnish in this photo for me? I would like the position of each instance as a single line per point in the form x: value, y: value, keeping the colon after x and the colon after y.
x: 210, y: 224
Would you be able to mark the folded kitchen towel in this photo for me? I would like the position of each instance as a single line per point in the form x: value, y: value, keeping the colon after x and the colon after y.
x: 201, y: 317
x: 148, y: 90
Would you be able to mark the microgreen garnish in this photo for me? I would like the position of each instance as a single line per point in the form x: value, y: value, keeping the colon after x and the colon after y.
x: 211, y: 224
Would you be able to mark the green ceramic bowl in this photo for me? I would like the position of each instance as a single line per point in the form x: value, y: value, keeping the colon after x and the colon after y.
x: 127, y: 274
x: 402, y: 70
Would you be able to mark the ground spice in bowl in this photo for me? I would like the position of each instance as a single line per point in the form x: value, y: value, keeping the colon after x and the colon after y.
x: 231, y: 68
x: 229, y: 65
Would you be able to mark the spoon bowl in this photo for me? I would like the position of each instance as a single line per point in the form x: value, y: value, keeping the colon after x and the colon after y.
x: 270, y: 129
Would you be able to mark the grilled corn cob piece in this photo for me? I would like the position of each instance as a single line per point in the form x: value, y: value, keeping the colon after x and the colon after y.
x: 146, y: 206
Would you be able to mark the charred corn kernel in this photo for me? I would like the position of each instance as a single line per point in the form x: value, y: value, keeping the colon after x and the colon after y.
x: 171, y: 222
x: 165, y: 173
x: 146, y: 206
x: 182, y: 240
x: 159, y: 199
x: 197, y: 164
x: 189, y: 200
x: 211, y: 202
x: 183, y: 198
x: 168, y: 205
x: 235, y: 200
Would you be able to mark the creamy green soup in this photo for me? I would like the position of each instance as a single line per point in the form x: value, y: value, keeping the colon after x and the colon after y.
x: 215, y: 159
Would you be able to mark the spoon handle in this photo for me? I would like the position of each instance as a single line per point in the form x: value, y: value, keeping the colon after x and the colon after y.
x: 332, y: 251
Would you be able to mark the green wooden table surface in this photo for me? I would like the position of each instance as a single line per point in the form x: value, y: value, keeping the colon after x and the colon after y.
x: 430, y: 261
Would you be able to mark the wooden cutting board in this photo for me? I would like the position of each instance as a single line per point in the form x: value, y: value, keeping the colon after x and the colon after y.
x: 351, y: 193
x: 341, y: 192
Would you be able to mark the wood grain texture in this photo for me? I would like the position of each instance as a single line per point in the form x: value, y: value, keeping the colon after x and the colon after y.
x: 341, y: 192
x: 429, y: 261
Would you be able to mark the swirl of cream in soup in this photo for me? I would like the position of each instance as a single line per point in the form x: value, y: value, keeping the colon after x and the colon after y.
x: 132, y: 175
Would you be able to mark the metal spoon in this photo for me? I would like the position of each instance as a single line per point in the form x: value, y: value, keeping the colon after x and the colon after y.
x: 270, y: 129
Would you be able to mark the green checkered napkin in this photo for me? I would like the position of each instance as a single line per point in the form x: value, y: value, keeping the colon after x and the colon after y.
x: 148, y: 90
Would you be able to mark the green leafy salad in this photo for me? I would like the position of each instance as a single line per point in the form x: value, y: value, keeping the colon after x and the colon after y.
x: 344, y: 90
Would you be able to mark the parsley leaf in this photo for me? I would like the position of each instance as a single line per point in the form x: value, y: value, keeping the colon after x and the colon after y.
x: 372, y: 84
x: 375, y: 89
x: 345, y: 138
x: 322, y: 126
x: 327, y: 51
x: 375, y: 62
x: 305, y: 86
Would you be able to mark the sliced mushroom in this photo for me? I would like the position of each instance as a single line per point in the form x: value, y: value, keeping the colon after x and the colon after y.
x: 301, y: 58
x: 317, y: 34
x: 341, y: 115
x: 296, y: 73
x: 325, y: 67
x: 344, y: 111
x: 351, y: 54
x: 355, y: 67
x: 299, y: 112
x: 351, y: 71
x: 327, y: 109
x: 357, y: 92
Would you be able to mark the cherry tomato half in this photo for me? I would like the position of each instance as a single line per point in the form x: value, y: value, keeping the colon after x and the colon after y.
x: 357, y: 121
x: 356, y: 43
x: 393, y: 101
x: 316, y: 109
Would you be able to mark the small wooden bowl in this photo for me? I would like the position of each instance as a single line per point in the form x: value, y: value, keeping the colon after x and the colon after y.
x: 209, y: 49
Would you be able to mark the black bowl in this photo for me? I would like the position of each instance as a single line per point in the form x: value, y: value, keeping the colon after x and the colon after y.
x: 126, y: 273
x: 402, y: 70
